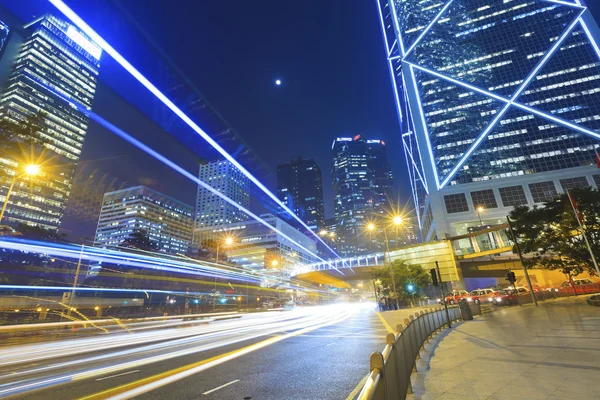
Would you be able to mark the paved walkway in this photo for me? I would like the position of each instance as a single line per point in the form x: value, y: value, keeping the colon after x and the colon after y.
x: 552, y: 352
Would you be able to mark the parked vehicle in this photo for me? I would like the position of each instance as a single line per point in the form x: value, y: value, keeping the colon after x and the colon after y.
x: 509, y: 296
x: 482, y: 295
x: 580, y: 286
x: 454, y: 296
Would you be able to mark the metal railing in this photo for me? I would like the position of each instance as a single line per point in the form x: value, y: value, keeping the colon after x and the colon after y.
x: 391, y: 369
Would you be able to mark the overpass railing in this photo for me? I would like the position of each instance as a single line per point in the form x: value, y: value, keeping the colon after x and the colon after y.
x: 391, y: 369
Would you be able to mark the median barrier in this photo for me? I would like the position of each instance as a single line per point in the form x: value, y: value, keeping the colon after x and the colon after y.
x: 389, y: 378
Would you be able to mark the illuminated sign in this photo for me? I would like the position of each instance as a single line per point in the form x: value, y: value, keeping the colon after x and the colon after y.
x: 87, y: 45
x: 356, y: 137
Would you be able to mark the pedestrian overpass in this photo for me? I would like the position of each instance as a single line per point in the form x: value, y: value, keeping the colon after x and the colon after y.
x: 488, y: 245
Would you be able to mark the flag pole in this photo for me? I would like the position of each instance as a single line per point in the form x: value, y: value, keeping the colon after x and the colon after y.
x: 587, y: 243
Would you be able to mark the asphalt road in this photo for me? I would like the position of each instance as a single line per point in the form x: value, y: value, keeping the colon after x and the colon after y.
x: 312, y: 353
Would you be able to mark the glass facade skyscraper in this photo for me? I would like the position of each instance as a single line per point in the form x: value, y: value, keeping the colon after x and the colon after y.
x: 363, y: 186
x: 300, y: 188
x: 499, y: 102
x: 166, y: 221
x: 53, y: 54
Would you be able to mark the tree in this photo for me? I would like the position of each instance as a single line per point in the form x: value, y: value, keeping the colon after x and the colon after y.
x: 139, y: 239
x: 404, y: 274
x: 39, y: 233
x: 551, y: 237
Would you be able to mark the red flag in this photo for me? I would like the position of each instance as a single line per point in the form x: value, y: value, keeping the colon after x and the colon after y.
x: 597, y: 158
x: 575, y: 208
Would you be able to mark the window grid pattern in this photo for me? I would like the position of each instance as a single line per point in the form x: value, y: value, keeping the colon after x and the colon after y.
x: 579, y: 182
x: 492, y: 44
x: 543, y: 191
x: 513, y: 196
x: 456, y: 203
x: 597, y: 180
x: 484, y: 198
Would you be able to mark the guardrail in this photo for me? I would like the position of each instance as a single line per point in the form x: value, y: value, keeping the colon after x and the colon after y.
x: 390, y: 369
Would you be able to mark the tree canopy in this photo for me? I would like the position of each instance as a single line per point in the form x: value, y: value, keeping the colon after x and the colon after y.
x: 139, y: 239
x: 404, y: 274
x: 550, y: 234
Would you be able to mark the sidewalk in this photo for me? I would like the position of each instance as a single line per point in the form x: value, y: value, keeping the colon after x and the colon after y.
x: 393, y: 318
x: 552, y: 352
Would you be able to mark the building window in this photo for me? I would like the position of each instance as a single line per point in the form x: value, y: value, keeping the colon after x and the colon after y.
x: 543, y: 191
x: 456, y: 203
x: 597, y: 180
x: 513, y: 196
x: 428, y: 220
x: 484, y: 198
x: 574, y: 183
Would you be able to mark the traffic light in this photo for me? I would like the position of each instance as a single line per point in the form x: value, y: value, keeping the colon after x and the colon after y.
x: 510, y: 276
x: 434, y: 278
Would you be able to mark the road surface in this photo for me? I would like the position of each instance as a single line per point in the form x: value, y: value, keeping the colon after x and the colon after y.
x: 308, y: 353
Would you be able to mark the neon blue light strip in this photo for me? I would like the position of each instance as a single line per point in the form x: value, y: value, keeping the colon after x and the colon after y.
x: 564, y: 3
x: 545, y: 59
x: 420, y: 170
x: 391, y: 50
x: 590, y: 36
x: 81, y: 24
x: 557, y: 120
x: 517, y: 93
x: 418, y: 96
x: 390, y: 66
x: 394, y: 14
x: 435, y: 20
x: 119, y: 132
x: 474, y: 146
x: 457, y: 82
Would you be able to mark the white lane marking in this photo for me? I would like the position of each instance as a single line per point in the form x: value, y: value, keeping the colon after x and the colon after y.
x: 114, y: 376
x: 330, y: 344
x: 221, y: 387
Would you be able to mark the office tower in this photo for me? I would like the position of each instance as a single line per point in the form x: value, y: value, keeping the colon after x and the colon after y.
x: 211, y: 210
x: 362, y: 183
x: 300, y: 188
x: 47, y: 53
x: 499, y: 102
x: 167, y: 222
x: 255, y: 246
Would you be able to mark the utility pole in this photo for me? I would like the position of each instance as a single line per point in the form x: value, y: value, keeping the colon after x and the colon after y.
x: 437, y: 267
x: 516, y: 242
x: 75, y: 282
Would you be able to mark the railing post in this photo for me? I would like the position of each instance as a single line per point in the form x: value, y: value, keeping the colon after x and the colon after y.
x: 376, y: 363
x: 392, y: 368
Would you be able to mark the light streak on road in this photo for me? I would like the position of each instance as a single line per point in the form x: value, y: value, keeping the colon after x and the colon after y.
x: 37, y: 366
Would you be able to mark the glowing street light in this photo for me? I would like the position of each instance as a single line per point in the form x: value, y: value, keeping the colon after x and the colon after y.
x: 29, y: 170
x: 397, y: 220
x: 227, y: 242
x: 323, y: 232
x: 274, y: 263
x: 370, y: 227
x: 479, y: 210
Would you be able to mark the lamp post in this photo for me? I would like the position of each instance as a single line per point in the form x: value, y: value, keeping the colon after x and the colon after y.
x: 371, y: 227
x: 30, y: 170
x: 479, y: 210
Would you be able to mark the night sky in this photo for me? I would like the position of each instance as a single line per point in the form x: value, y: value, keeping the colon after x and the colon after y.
x: 329, y: 55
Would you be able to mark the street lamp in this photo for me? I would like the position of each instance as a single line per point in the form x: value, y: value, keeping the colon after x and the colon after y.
x: 227, y: 242
x: 29, y: 170
x: 479, y: 210
x: 370, y: 227
x: 274, y: 263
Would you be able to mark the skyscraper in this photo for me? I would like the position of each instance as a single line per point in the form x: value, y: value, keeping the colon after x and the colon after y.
x: 300, y: 188
x: 499, y: 102
x: 225, y: 177
x: 362, y: 183
x: 167, y: 222
x: 48, y: 53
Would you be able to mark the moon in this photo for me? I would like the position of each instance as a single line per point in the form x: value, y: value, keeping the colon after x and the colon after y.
x: 278, y: 82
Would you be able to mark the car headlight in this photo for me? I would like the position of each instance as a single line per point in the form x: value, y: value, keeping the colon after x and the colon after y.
x: 499, y: 299
x: 490, y: 299
x: 469, y: 299
x: 439, y: 300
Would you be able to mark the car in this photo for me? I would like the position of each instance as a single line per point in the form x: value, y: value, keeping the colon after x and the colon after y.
x: 580, y: 286
x: 507, y: 297
x: 454, y: 296
x: 482, y: 295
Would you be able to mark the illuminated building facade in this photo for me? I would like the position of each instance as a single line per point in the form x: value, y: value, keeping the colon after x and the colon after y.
x: 363, y: 186
x: 51, y: 53
x: 499, y: 102
x: 225, y: 177
x: 300, y: 188
x: 256, y: 246
x: 168, y: 222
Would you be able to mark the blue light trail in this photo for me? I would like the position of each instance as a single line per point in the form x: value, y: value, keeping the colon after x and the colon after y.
x: 81, y: 24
